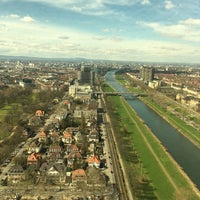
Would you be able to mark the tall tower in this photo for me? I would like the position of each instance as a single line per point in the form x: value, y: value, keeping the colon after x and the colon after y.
x: 86, y: 75
x: 147, y: 74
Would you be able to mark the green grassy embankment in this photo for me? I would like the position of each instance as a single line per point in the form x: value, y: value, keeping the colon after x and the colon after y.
x: 187, y: 130
x: 151, y: 171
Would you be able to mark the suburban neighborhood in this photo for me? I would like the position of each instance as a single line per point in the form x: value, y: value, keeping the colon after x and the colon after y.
x: 68, y: 148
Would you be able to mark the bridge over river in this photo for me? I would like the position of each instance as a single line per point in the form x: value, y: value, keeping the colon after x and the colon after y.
x: 118, y: 93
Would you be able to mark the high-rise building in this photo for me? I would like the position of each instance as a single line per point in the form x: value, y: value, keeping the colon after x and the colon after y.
x: 86, y: 75
x: 147, y: 74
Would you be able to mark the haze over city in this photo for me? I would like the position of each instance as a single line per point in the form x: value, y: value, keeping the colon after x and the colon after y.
x: 129, y: 30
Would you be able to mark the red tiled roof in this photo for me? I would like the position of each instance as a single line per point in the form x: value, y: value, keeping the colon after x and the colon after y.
x: 42, y: 134
x: 39, y: 112
x: 32, y: 158
x: 78, y: 173
x: 93, y: 159
x: 74, y: 148
x: 67, y: 135
x: 74, y: 155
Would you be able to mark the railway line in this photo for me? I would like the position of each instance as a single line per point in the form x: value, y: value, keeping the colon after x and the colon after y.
x: 121, y: 184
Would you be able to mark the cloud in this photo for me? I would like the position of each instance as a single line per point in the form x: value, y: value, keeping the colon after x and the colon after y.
x: 112, y: 30
x: 64, y: 37
x: 145, y: 2
x: 191, y: 22
x: 14, y: 16
x: 46, y: 40
x: 184, y: 30
x: 3, y: 27
x: 169, y: 5
x: 27, y: 19
x: 88, y: 7
x: 99, y: 38
x: 117, y: 39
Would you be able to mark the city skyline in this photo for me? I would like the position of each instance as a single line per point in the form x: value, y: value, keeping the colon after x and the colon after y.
x: 127, y: 30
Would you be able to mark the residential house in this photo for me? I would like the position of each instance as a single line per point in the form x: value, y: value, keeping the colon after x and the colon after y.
x: 71, y: 157
x: 72, y: 148
x: 55, y: 137
x: 93, y: 161
x: 39, y: 113
x: 79, y: 175
x: 78, y: 136
x: 91, y: 147
x: 35, y: 121
x: 16, y: 174
x: 55, y: 152
x: 93, y: 136
x: 67, y: 138
x: 33, y: 159
x: 55, y: 172
x: 67, y: 104
x: 35, y: 146
x: 73, y: 130
x: 42, y: 136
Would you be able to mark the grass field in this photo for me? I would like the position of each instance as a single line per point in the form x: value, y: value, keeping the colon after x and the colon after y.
x: 4, y: 126
x: 3, y: 112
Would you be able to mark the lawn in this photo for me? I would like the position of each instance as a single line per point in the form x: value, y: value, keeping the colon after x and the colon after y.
x: 4, y: 111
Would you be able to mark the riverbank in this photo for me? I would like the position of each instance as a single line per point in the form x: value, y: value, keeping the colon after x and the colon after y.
x: 168, y: 155
x: 137, y: 153
x: 145, y: 159
x: 172, y: 123
x: 188, y: 131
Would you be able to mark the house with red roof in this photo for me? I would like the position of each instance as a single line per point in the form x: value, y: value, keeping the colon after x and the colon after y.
x: 74, y: 156
x: 42, y: 136
x: 33, y: 159
x: 93, y: 161
x: 39, y: 113
x: 67, y: 138
x: 67, y: 104
x: 79, y: 175
x: 72, y: 148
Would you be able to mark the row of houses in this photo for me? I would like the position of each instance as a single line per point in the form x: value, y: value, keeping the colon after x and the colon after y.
x: 63, y: 156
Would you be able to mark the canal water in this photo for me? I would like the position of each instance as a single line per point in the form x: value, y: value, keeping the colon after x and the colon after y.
x: 181, y: 149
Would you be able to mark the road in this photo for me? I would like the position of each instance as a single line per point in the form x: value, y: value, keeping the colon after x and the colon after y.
x: 117, y: 165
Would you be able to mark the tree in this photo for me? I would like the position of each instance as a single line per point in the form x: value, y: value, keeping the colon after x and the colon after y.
x: 21, y: 160
x: 31, y: 173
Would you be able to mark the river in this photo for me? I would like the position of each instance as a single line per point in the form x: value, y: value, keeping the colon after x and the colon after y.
x: 184, y: 152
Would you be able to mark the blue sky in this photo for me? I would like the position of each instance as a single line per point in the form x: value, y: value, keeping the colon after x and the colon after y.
x: 129, y: 30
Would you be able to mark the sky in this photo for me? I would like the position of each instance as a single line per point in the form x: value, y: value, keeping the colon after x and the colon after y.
x: 126, y: 30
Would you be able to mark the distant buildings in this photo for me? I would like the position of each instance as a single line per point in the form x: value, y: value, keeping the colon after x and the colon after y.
x: 26, y: 82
